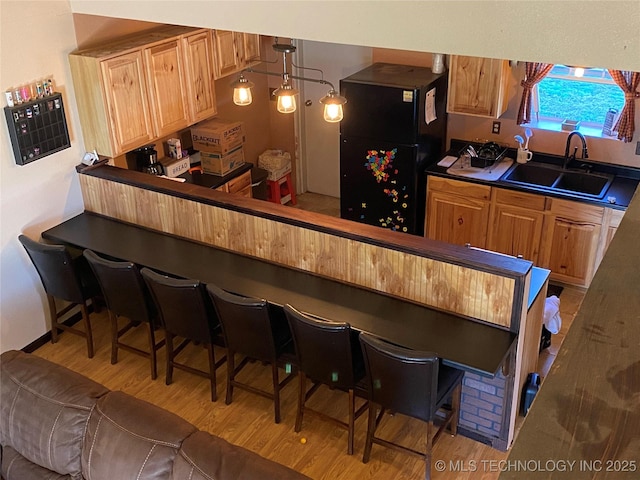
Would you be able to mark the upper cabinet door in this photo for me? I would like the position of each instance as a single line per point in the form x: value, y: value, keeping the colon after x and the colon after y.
x: 126, y: 98
x: 478, y: 86
x: 167, y: 90
x: 250, y: 48
x: 227, y: 56
x: 199, y: 59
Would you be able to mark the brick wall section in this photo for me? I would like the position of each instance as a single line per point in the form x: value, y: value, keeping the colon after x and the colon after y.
x: 481, y: 405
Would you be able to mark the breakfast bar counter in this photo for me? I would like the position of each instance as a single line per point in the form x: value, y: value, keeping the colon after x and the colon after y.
x: 478, y: 310
x: 462, y: 343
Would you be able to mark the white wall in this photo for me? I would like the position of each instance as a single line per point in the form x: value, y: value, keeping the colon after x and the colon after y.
x: 321, y: 140
x: 605, y: 33
x: 35, y: 38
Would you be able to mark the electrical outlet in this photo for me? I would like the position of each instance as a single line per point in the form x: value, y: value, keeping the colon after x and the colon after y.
x: 638, y: 148
x: 495, y: 128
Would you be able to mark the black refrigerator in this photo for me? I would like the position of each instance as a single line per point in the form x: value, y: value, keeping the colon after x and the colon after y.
x: 394, y: 126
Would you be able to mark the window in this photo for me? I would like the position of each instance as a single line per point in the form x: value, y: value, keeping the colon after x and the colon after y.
x: 564, y: 95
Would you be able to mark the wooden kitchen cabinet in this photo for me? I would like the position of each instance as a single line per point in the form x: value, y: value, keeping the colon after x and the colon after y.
x: 516, y: 223
x: 167, y: 87
x: 200, y: 74
x: 478, y: 86
x: 457, y: 212
x: 140, y: 88
x: 119, y: 121
x: 235, y: 51
x: 250, y: 50
x: 227, y: 56
x: 610, y: 223
x: 570, y: 241
x: 568, y: 237
x: 240, y: 185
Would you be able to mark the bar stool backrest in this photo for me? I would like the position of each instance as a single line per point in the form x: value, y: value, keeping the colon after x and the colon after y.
x: 400, y: 379
x: 323, y: 349
x: 123, y: 288
x: 245, y: 323
x: 56, y: 269
x: 184, y: 307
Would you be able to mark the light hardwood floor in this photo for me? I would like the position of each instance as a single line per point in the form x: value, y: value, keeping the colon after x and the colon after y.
x: 315, y: 202
x: 248, y: 421
x: 570, y: 301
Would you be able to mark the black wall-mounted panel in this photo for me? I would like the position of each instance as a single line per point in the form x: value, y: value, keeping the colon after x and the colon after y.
x: 37, y: 128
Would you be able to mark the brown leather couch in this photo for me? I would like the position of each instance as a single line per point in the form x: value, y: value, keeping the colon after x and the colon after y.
x: 56, y: 424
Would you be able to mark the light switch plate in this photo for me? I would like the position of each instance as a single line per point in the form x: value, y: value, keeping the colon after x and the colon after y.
x: 638, y: 148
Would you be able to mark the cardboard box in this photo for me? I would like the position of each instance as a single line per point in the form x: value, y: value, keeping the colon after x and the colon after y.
x: 217, y: 136
x: 274, y: 159
x: 219, y: 164
x: 278, y: 174
x: 174, y: 167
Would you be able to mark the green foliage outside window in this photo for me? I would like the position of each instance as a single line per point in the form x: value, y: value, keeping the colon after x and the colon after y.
x: 587, y: 99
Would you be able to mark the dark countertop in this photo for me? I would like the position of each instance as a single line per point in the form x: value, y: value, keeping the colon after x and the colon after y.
x: 461, y: 342
x: 622, y: 188
x: 587, y: 410
x: 214, y: 181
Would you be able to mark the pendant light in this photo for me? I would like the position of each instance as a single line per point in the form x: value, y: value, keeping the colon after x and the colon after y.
x: 242, y: 91
x: 286, y: 94
x: 333, y: 103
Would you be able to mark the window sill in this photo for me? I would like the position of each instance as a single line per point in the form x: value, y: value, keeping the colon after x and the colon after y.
x: 556, y: 126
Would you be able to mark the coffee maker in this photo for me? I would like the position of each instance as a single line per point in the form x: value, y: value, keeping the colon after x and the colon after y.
x: 147, y: 160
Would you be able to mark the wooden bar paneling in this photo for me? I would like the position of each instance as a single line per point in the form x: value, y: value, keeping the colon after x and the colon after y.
x: 445, y: 285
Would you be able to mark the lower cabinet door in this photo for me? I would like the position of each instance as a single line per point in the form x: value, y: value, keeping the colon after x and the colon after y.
x: 457, y: 220
x: 572, y: 250
x: 516, y: 231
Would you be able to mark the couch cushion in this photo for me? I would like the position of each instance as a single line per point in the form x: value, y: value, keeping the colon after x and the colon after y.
x: 130, y: 438
x: 205, y: 457
x: 44, y: 411
x: 16, y: 467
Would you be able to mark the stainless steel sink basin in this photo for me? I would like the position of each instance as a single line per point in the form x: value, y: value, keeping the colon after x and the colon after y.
x: 551, y: 178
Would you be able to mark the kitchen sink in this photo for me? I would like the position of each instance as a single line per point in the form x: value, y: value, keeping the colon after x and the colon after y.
x: 550, y: 178
x: 583, y: 183
x: 532, y: 174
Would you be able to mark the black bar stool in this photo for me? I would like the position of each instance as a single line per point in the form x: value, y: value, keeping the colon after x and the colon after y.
x: 411, y: 383
x: 65, y: 278
x: 126, y: 295
x: 251, y: 330
x: 328, y: 353
x: 186, y: 312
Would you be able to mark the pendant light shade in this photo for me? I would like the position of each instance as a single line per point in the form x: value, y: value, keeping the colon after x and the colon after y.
x: 286, y: 98
x: 286, y: 94
x: 333, y: 103
x: 242, y: 91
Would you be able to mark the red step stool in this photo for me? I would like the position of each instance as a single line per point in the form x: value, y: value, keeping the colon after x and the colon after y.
x: 281, y: 190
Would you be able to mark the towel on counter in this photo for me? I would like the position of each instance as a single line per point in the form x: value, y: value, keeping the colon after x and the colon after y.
x: 551, y: 319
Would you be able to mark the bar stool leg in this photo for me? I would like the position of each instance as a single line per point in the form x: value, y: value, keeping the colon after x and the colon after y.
x: 54, y: 318
x: 88, y: 332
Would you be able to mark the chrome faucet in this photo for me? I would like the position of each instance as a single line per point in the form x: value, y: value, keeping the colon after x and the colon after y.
x: 567, y: 158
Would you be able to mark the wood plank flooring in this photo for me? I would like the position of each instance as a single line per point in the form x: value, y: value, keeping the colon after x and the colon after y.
x: 248, y: 421
x: 314, y: 202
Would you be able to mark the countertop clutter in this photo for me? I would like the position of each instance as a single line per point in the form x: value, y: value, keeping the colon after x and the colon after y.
x: 561, y: 219
x: 618, y: 194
